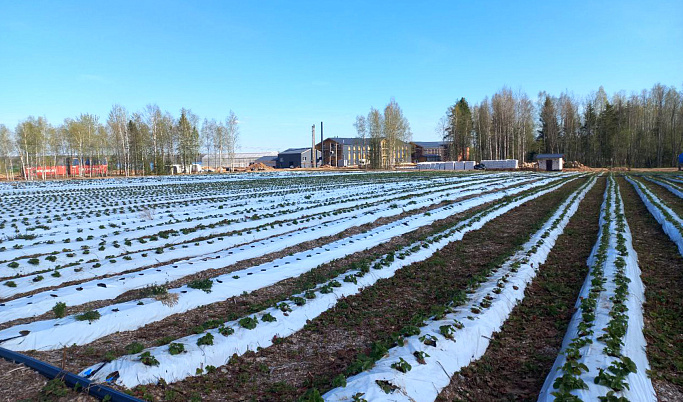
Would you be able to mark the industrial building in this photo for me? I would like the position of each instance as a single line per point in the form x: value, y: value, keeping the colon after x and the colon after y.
x: 296, y: 158
x: 429, y: 151
x: 343, y: 152
x: 270, y: 161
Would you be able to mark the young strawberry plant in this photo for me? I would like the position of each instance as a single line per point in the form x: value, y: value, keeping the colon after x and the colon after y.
x: 205, y: 340
x: 176, y: 348
x: 148, y: 360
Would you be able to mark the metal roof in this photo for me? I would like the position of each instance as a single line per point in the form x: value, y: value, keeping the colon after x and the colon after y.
x: 295, y: 151
x: 429, y: 144
x: 348, y: 140
x: 548, y: 156
x: 239, y: 155
x: 266, y: 158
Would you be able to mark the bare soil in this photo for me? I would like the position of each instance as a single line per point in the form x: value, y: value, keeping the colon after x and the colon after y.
x: 521, y: 355
x: 20, y: 383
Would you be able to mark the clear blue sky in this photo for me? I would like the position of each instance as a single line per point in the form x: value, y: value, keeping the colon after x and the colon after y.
x: 285, y: 65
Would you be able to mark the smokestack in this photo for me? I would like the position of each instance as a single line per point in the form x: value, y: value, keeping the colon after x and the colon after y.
x: 313, y: 164
x: 321, y: 144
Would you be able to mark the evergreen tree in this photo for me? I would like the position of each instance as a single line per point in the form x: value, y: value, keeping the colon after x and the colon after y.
x: 588, y: 142
x: 548, y: 134
x: 459, y: 131
x: 607, y: 129
x: 186, y: 150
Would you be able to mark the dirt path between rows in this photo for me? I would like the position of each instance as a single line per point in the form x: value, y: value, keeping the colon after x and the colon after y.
x: 521, y: 355
x: 329, y: 345
x: 20, y: 383
x: 662, y: 273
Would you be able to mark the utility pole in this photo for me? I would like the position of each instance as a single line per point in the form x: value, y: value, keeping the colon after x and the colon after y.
x: 313, y: 161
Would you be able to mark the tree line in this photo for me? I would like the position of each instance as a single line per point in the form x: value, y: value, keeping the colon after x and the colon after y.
x: 138, y: 143
x: 383, y: 132
x: 638, y: 130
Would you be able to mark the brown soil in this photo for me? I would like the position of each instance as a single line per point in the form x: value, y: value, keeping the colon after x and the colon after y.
x: 662, y: 273
x: 260, y: 167
x: 521, y: 355
x: 20, y: 383
x: 330, y: 343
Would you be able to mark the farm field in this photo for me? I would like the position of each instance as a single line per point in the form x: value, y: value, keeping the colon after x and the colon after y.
x: 350, y: 286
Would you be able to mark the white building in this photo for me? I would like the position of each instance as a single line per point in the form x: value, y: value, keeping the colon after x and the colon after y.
x: 550, y: 162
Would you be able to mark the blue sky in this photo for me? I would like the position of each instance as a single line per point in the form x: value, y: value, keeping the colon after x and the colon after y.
x: 285, y: 65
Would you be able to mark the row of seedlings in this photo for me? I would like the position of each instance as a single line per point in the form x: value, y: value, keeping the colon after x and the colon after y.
x: 291, y: 315
x: 671, y: 223
x: 423, y: 362
x: 673, y: 187
x: 116, y: 222
x: 603, y: 353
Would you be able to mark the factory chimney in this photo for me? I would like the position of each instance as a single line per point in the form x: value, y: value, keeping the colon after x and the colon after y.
x: 313, y: 161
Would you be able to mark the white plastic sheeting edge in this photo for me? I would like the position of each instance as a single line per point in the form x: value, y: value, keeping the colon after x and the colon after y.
x: 675, y: 180
x: 131, y: 372
x: 656, y: 210
x: 592, y: 355
x: 54, y: 334
x: 667, y: 186
x: 424, y: 381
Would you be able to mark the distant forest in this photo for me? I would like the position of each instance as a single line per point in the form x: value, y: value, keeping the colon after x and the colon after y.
x: 145, y: 142
x: 638, y: 130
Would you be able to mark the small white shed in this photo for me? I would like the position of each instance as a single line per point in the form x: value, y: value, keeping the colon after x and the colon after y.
x: 550, y: 162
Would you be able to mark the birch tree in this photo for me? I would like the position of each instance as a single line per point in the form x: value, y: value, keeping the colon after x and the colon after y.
x: 154, y: 122
x: 7, y: 148
x: 396, y: 130
x: 208, y: 136
x: 362, y: 134
x: 232, y: 133
x: 118, y: 130
x: 31, y: 141
x: 375, y: 122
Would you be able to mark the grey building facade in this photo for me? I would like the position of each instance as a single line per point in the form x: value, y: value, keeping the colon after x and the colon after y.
x: 296, y: 158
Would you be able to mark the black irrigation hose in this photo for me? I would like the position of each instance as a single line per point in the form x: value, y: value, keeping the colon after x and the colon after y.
x: 71, y: 380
